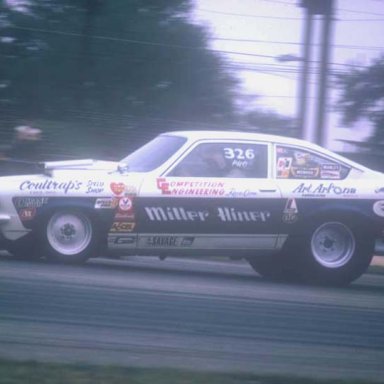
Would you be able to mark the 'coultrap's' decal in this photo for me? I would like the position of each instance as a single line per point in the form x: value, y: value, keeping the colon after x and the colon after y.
x: 50, y: 185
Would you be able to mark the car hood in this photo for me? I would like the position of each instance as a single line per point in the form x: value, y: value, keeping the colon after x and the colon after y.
x: 87, y: 164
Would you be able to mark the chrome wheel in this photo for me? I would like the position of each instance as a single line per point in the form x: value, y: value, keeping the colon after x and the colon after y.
x: 333, y: 245
x: 69, y: 233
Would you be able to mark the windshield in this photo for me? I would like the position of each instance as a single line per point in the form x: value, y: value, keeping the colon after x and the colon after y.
x: 152, y: 154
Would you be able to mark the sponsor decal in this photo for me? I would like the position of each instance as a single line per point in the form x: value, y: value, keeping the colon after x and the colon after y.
x: 245, y: 193
x: 169, y: 241
x: 330, y: 171
x: 305, y: 172
x: 378, y: 208
x: 125, y: 204
x: 26, y: 214
x: 106, y: 203
x: 281, y: 150
x: 122, y: 240
x: 29, y: 202
x: 50, y: 185
x: 191, y: 188
x: 118, y: 226
x: 290, y: 213
x: 117, y: 188
x: 125, y: 209
x: 284, y: 166
x: 323, y: 189
x: 94, y: 186
x: 224, y: 214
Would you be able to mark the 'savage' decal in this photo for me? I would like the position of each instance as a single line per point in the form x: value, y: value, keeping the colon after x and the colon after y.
x: 169, y: 241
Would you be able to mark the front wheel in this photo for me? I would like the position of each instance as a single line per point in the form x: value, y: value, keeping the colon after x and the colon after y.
x: 336, y: 252
x: 69, y: 236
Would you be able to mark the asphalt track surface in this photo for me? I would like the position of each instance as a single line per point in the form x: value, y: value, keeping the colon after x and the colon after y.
x: 194, y: 314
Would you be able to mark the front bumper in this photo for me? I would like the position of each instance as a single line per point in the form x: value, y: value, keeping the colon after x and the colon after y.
x: 4, y: 218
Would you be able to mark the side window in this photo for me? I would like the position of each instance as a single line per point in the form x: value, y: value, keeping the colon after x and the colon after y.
x: 297, y: 163
x: 224, y: 160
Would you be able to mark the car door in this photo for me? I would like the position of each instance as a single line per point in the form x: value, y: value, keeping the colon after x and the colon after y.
x: 217, y: 196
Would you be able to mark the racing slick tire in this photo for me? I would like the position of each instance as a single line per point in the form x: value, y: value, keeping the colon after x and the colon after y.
x: 70, y: 236
x: 334, y: 251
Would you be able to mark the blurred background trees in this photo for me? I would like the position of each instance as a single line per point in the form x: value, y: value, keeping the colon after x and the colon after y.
x: 105, y: 70
x: 363, y: 97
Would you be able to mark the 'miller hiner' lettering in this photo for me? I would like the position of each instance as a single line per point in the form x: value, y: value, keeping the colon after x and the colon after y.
x: 225, y: 214
x: 174, y: 214
x: 231, y: 214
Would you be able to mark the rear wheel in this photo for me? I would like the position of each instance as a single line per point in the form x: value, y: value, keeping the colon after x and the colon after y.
x: 336, y: 252
x: 330, y: 252
x: 69, y: 236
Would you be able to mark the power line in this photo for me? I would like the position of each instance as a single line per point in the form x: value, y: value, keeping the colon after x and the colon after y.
x: 373, y: 48
x: 254, y: 16
x: 361, y: 12
x: 158, y: 44
x: 140, y: 42
x: 248, y: 15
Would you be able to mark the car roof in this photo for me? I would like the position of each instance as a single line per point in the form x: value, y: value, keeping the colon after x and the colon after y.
x: 246, y: 135
x: 240, y: 135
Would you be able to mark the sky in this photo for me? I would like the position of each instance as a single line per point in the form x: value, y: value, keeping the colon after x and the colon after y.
x: 261, y: 31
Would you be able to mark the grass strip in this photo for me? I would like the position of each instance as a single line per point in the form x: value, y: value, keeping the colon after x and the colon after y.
x: 31, y: 372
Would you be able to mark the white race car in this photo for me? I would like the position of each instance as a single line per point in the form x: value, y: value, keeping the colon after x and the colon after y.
x: 295, y: 210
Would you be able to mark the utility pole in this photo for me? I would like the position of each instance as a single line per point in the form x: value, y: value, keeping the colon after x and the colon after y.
x: 303, y: 85
x: 323, y: 8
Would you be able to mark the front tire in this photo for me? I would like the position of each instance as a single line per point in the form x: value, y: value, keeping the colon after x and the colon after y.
x: 70, y: 236
x: 25, y: 249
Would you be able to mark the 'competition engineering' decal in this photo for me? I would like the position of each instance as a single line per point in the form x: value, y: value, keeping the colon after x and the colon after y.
x: 193, y: 188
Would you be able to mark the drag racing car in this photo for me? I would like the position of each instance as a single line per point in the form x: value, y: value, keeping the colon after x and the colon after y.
x: 294, y: 210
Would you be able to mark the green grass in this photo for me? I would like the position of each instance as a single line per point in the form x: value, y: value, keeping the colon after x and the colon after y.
x: 12, y: 372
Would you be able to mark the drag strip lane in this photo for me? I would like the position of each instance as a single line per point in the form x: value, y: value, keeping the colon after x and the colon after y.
x: 191, y: 314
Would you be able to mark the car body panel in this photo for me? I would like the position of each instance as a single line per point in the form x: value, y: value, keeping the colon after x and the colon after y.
x: 159, y: 212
